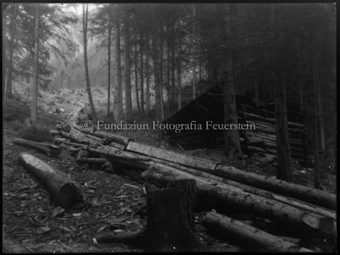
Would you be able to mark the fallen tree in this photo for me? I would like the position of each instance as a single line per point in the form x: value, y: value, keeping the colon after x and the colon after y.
x: 63, y: 190
x: 256, y: 191
x: 109, y: 136
x: 238, y: 198
x: 258, y: 240
x: 311, y: 195
x: 171, y: 156
x: 51, y: 150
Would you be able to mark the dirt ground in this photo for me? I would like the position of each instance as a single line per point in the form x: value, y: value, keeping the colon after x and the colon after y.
x: 30, y: 222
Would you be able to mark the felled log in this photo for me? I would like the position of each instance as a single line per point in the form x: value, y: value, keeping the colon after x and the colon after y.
x: 94, y: 138
x: 115, y: 153
x: 106, y: 164
x: 98, y: 161
x: 69, y: 148
x: 311, y: 195
x: 51, y: 150
x: 62, y: 189
x: 77, y: 145
x: 260, y: 192
x: 112, y: 137
x: 65, y: 127
x: 238, y: 198
x: 171, y: 156
x: 256, y: 239
x: 168, y: 227
x: 75, y: 138
x: 54, y: 132
x: 296, y: 125
x: 142, y: 166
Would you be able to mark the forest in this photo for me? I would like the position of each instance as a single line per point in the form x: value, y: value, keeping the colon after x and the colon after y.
x: 270, y: 65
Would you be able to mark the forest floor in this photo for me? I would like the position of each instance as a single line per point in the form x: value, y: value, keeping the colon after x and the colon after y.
x: 31, y: 224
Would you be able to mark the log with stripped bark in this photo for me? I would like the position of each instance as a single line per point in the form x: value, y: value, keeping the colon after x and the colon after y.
x: 256, y: 239
x: 50, y: 149
x: 171, y: 156
x: 311, y: 195
x: 62, y: 189
x: 238, y: 198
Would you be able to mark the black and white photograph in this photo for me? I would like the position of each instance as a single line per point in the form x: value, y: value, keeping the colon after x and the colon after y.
x: 169, y: 127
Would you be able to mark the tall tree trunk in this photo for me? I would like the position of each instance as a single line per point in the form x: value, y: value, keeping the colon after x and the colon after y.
x: 179, y: 75
x: 168, y: 86
x: 128, y: 102
x: 13, y: 29
x: 316, y: 129
x: 173, y: 64
x: 232, y: 136
x: 119, y: 68
x: 147, y: 71
x: 161, y: 73
x: 136, y: 72
x: 194, y: 82
x: 36, y: 64
x: 256, y: 89
x: 141, y: 73
x: 284, y: 171
x: 88, y: 86
x: 116, y: 65
x: 157, y: 79
x: 300, y: 76
x: 320, y: 119
x: 3, y: 58
x: 273, y: 38
x: 109, y: 66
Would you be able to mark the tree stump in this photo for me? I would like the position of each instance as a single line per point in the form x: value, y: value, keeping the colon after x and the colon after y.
x: 169, y: 226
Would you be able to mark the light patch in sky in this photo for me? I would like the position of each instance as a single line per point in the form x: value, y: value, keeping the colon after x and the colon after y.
x: 78, y: 8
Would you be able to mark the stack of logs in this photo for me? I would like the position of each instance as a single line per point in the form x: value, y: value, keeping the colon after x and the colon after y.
x: 209, y: 107
x: 264, y: 121
x: 304, y: 209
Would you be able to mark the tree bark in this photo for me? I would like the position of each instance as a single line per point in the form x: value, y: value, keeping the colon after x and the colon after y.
x: 194, y: 80
x: 232, y: 137
x: 128, y: 102
x: 147, y: 53
x: 50, y: 149
x: 119, y: 98
x: 284, y: 171
x: 157, y: 75
x: 179, y: 75
x: 88, y: 86
x: 258, y: 240
x: 136, y: 72
x: 161, y: 80
x: 285, y: 188
x: 3, y: 58
x: 109, y: 66
x: 13, y: 29
x: 141, y: 45
x: 36, y: 65
x: 238, y: 199
x: 171, y: 156
x: 287, y: 200
x: 64, y: 191
x: 173, y: 63
x: 316, y: 129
